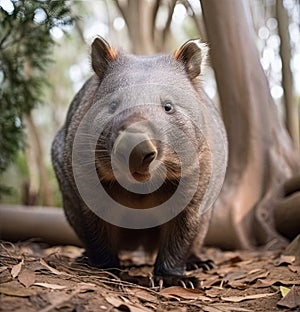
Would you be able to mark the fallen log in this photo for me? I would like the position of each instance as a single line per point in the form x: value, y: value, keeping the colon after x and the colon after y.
x: 44, y: 223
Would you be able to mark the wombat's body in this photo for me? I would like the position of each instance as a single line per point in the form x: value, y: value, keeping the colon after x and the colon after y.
x: 123, y: 80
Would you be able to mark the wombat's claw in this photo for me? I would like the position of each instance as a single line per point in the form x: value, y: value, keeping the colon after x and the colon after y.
x: 182, y: 284
x: 195, y: 263
x: 191, y: 285
x: 161, y: 284
x: 152, y: 282
x: 208, y: 265
x: 176, y: 280
x: 188, y: 282
x: 193, y: 266
x: 152, y: 285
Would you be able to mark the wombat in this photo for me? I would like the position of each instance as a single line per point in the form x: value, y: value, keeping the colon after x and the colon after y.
x: 141, y: 158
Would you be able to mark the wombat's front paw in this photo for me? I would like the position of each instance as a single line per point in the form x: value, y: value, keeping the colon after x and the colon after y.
x: 195, y: 263
x: 174, y: 280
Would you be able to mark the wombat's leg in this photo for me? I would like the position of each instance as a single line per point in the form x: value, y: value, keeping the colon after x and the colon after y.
x: 94, y: 233
x: 99, y: 249
x: 177, y: 237
x: 194, y: 261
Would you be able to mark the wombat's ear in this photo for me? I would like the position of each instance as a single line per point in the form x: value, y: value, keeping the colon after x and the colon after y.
x: 102, y: 55
x: 192, y: 54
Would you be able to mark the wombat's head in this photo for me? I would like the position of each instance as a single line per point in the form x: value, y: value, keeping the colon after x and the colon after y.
x: 150, y: 113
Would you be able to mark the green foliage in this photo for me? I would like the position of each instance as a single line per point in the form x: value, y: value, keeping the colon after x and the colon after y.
x: 25, y: 51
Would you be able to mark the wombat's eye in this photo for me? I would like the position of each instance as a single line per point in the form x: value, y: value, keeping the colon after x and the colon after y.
x: 113, y: 106
x: 169, y: 107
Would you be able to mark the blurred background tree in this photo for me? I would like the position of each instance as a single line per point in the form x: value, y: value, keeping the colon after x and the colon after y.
x: 26, y: 49
x: 154, y: 26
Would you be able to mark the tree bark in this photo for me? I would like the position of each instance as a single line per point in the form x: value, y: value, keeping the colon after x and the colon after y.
x: 45, y: 223
x: 39, y: 185
x: 165, y: 33
x: 292, y: 119
x: 139, y: 17
x: 261, y: 154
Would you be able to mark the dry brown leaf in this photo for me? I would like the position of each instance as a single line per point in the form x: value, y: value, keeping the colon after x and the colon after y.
x: 245, y: 263
x: 254, y: 271
x: 15, y: 289
x: 35, y: 266
x: 56, y: 301
x: 252, y: 277
x: 214, y: 292
x: 238, y: 285
x: 53, y: 270
x: 294, y: 268
x: 184, y: 293
x: 226, y: 258
x: 249, y: 297
x: 269, y: 282
x: 16, y: 269
x: 143, y: 294
x: 5, y: 276
x: 284, y: 260
x: 50, y: 286
x: 291, y: 299
x: 56, y: 298
x: 3, y: 268
x: 257, y: 274
x: 84, y: 287
x: 212, y: 309
x: 222, y: 271
x: 209, y: 282
x: 223, y: 307
x: 234, y: 276
x: 293, y: 249
x: 264, y: 283
x: 69, y: 251
x: 118, y: 303
x: 26, y: 277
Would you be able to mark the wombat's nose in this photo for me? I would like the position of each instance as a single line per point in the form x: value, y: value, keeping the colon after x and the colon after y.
x: 138, y: 148
x: 142, y: 156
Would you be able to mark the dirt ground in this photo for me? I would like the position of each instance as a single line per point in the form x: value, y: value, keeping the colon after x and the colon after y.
x: 34, y: 277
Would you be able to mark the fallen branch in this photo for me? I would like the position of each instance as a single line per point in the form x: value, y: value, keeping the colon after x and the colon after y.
x: 27, y: 222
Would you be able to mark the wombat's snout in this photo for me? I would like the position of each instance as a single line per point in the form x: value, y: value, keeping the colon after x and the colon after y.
x: 136, y: 150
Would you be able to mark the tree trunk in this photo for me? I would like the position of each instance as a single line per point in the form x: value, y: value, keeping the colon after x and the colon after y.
x: 261, y: 155
x: 39, y: 185
x: 140, y: 17
x: 292, y: 119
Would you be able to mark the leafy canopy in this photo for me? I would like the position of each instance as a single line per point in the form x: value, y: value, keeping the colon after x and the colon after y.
x: 25, y: 51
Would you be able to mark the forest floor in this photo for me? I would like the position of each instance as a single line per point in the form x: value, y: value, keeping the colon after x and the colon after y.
x: 34, y: 277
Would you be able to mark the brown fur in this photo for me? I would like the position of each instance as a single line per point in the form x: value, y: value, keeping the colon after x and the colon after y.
x: 175, y: 241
